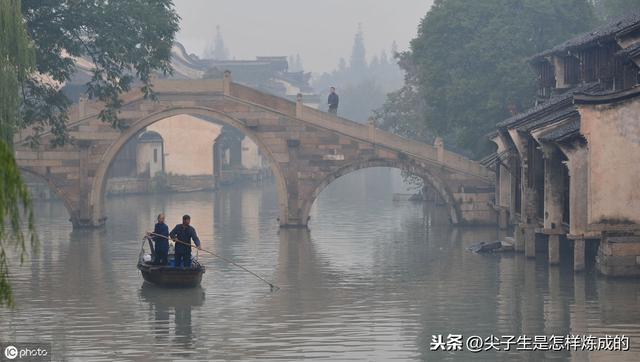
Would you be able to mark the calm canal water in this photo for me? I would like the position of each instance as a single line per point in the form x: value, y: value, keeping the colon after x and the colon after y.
x: 373, y: 280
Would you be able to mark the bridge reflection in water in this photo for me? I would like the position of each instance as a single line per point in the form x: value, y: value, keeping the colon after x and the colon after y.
x: 375, y: 279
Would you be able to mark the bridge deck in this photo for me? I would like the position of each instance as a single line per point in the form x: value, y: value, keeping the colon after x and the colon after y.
x: 449, y: 160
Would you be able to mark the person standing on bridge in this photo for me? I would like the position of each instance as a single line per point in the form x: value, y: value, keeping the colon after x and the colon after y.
x: 184, y: 233
x: 333, y: 101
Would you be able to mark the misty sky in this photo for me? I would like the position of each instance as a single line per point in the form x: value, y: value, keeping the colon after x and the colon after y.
x: 320, y: 30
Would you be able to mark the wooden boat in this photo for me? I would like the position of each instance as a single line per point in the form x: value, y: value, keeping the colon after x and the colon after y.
x: 168, y: 276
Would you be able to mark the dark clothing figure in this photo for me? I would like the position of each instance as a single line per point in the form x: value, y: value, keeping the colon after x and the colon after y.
x: 161, y: 244
x: 333, y: 101
x: 184, y: 233
x: 183, y: 259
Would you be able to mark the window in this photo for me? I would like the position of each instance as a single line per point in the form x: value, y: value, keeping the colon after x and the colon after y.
x: 571, y: 70
x: 155, y: 155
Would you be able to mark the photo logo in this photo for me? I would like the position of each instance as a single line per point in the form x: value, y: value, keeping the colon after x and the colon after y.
x: 11, y: 352
x: 25, y: 351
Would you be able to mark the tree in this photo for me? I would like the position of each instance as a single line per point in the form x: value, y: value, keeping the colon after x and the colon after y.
x: 375, y: 63
x: 342, y: 65
x: 125, y: 40
x: 362, y: 85
x: 607, y: 10
x: 359, y: 99
x: 402, y: 111
x: 384, y: 59
x: 17, y: 59
x: 469, y: 62
x: 394, y: 48
x: 358, y: 61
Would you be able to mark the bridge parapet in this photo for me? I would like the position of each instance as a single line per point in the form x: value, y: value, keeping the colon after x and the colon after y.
x: 169, y: 86
x: 389, y: 140
x: 361, y: 131
x: 257, y: 97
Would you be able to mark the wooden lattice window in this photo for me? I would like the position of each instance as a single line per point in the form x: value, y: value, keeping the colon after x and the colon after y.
x: 571, y: 70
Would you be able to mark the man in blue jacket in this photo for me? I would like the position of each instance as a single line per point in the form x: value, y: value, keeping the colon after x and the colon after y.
x: 161, y: 242
x: 184, y: 233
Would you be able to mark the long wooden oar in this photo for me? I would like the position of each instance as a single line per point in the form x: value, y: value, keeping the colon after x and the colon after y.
x: 271, y: 285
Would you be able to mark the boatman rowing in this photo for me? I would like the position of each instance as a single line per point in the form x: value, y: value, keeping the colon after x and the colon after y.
x: 184, y: 233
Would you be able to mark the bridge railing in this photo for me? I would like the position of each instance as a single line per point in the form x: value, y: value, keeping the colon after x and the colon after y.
x: 360, y: 131
x: 416, y: 149
x: 325, y: 120
x: 267, y: 100
x: 169, y: 86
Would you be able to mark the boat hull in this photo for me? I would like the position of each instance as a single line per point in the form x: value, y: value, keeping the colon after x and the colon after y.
x: 170, y: 277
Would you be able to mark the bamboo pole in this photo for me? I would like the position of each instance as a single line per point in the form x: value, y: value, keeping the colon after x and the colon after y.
x: 271, y: 285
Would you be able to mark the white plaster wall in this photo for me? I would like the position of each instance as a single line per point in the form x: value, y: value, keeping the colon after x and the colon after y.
x: 503, y: 192
x: 613, y: 136
x: 145, y: 160
x: 188, y: 144
x: 251, y: 158
x: 578, y: 189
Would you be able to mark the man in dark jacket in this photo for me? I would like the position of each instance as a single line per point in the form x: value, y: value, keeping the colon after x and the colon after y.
x: 161, y: 242
x: 333, y: 101
x: 184, y: 233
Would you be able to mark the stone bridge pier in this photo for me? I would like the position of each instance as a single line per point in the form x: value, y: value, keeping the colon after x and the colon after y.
x: 307, y: 150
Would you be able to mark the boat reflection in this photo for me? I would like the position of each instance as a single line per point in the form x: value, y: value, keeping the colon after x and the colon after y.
x: 181, y: 301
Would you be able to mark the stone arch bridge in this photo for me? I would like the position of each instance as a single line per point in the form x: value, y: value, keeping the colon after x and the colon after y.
x: 307, y: 150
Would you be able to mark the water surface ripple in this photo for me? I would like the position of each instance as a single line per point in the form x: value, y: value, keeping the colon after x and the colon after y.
x: 373, y: 280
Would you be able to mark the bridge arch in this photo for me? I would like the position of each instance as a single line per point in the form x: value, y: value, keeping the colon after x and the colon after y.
x: 99, y: 182
x: 73, y: 213
x: 410, y: 167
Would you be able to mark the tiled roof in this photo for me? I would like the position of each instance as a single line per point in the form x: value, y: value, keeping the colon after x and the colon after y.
x: 563, y: 132
x: 608, y: 30
x: 554, y: 104
x: 632, y: 51
x: 150, y: 136
x: 490, y: 160
x: 606, y: 97
x: 561, y: 114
